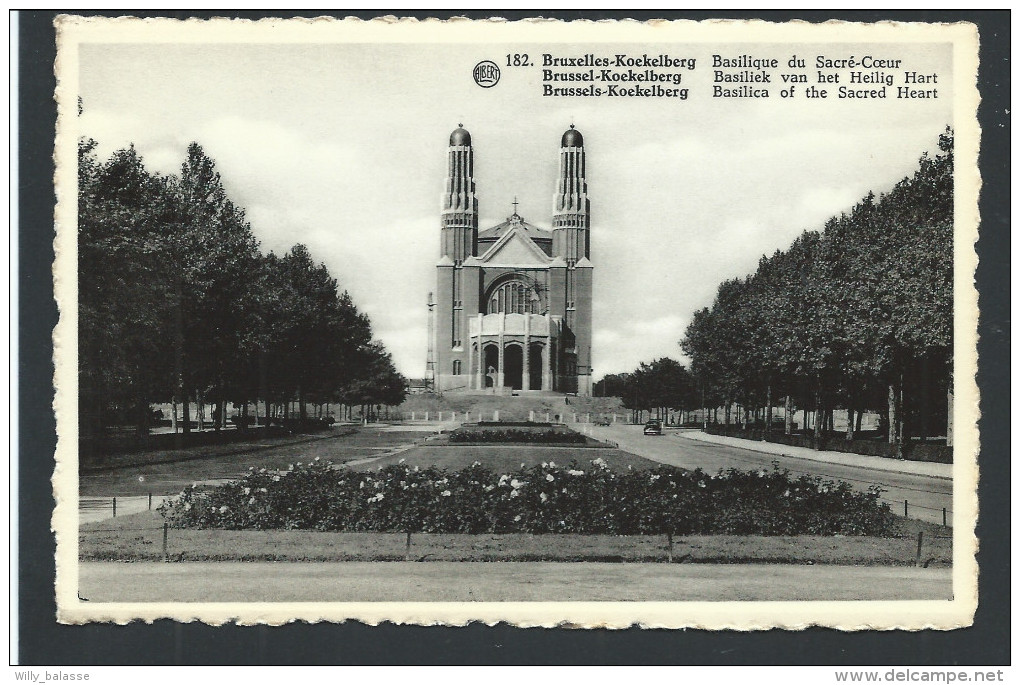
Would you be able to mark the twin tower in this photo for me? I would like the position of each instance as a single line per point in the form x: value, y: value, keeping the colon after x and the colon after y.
x: 513, y: 302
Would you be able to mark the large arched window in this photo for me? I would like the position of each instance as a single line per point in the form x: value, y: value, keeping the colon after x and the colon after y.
x: 514, y: 297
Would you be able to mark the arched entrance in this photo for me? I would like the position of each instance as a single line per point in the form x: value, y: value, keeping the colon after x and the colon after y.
x: 513, y: 362
x: 535, y: 367
x: 491, y: 365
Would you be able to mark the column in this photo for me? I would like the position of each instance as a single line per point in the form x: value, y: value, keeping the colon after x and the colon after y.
x: 546, y: 375
x: 480, y: 372
x: 499, y: 371
x: 526, y: 371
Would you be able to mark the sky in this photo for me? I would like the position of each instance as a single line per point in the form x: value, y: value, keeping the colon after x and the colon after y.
x: 342, y: 147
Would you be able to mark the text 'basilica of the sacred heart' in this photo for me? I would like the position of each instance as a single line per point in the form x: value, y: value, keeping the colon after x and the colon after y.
x: 513, y: 302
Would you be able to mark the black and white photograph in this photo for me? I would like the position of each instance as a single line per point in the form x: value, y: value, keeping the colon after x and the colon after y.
x: 662, y: 324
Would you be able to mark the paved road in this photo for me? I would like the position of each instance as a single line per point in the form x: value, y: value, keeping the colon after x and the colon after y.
x: 501, y: 582
x: 926, y: 495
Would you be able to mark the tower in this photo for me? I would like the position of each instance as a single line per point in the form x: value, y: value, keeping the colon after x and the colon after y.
x: 459, y: 204
x: 571, y: 242
x: 571, y: 209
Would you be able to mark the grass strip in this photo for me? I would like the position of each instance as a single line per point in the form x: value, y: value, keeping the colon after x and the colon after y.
x: 138, y: 537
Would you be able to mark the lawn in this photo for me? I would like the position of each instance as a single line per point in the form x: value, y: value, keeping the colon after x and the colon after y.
x: 170, y: 477
x: 139, y: 538
x: 504, y: 459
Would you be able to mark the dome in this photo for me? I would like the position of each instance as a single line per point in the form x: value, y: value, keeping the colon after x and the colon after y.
x: 572, y: 138
x: 460, y: 137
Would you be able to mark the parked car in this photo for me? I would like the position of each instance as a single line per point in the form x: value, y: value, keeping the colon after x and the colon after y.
x: 653, y: 427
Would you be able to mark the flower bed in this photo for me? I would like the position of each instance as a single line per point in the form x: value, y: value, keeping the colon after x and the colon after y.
x: 543, y: 499
x: 536, y: 436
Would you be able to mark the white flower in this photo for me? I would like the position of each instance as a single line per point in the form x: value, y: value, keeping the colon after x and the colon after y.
x: 223, y: 508
x: 761, y: 473
x: 513, y: 493
x: 263, y: 490
x: 446, y: 493
x: 522, y: 464
x: 361, y: 485
x: 543, y: 497
x: 574, y: 472
x: 299, y: 463
x: 403, y: 484
x: 503, y: 479
x: 549, y: 477
x: 552, y: 464
x: 317, y: 458
x: 187, y: 506
x: 701, y: 483
x: 654, y: 477
x: 276, y: 478
x: 601, y: 463
x: 490, y: 488
x: 290, y: 467
x: 247, y: 491
x: 517, y: 518
x: 564, y: 491
x: 402, y: 461
x: 516, y: 484
x: 545, y: 465
x: 251, y: 501
x: 477, y: 463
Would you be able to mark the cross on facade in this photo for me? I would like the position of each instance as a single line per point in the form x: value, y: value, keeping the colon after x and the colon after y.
x: 515, y: 204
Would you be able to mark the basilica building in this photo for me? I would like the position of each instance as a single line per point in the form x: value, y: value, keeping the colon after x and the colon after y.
x: 513, y: 302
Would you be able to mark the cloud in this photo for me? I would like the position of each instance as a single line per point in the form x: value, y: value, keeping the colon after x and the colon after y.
x: 684, y: 194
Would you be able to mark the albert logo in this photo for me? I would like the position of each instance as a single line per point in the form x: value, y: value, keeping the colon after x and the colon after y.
x: 486, y: 74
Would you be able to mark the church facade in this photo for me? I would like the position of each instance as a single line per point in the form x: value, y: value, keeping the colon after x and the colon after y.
x: 513, y: 308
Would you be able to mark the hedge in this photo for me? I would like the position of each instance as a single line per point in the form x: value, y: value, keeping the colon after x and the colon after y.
x: 545, y: 498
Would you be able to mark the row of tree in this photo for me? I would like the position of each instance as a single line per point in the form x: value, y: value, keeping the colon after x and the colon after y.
x: 178, y: 304
x: 857, y: 316
x: 660, y: 386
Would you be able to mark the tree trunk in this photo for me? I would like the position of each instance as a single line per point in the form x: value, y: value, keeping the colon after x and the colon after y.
x: 819, y: 420
x: 860, y: 418
x: 185, y: 415
x: 221, y: 413
x: 925, y: 408
x: 242, y: 422
x: 949, y: 415
x: 895, y: 437
x: 787, y: 418
x: 302, y: 408
x: 726, y: 413
x: 768, y: 409
x: 142, y: 420
x: 179, y: 392
x: 850, y: 420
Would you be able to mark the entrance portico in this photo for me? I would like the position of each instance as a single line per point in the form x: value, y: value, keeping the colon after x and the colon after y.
x: 513, y: 351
